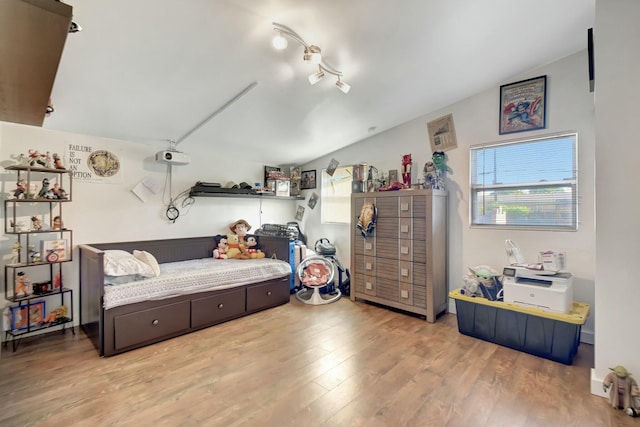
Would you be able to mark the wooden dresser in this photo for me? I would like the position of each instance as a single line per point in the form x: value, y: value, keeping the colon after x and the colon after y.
x: 403, y: 263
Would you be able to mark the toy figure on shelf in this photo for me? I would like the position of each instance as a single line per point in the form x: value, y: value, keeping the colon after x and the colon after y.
x: 57, y: 223
x: 48, y: 161
x: 44, y: 190
x: 36, y: 224
x: 623, y: 390
x: 21, y: 189
x: 35, y: 158
x: 57, y: 281
x: 21, y: 285
x: 406, y: 170
x: 57, y: 161
x: 55, y: 315
x: 15, y: 252
x: 34, y: 255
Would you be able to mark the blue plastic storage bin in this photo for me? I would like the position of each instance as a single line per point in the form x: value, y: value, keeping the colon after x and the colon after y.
x: 554, y: 336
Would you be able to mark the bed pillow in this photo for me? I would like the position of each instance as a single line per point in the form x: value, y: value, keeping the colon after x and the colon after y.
x: 122, y: 263
x: 148, y: 259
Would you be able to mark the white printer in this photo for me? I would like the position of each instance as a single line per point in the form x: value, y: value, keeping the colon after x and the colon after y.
x: 546, y: 290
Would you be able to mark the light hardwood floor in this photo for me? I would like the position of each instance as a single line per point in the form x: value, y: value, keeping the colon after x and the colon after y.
x: 343, y: 364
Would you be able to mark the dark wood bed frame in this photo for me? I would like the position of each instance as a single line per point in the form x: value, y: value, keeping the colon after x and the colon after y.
x: 136, y: 325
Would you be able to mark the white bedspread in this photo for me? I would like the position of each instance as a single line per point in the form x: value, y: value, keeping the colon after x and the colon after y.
x: 192, y: 276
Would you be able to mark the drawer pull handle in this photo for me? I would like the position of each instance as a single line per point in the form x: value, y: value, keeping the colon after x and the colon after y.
x: 155, y: 322
x: 221, y: 305
x: 404, y: 250
x: 368, y: 285
x: 404, y: 228
x: 268, y: 293
x: 368, y: 266
x: 404, y: 207
x: 404, y: 272
x: 368, y: 246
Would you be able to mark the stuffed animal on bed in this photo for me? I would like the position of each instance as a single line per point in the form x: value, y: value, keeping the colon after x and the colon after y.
x: 235, y: 249
x: 220, y: 252
x: 253, y: 247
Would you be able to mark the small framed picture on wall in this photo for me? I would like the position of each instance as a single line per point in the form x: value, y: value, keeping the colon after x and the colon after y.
x: 308, y: 180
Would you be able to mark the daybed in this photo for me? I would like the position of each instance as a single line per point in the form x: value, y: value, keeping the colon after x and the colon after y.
x: 116, y: 326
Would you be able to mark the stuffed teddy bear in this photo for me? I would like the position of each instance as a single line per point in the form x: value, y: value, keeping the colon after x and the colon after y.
x: 220, y: 252
x: 235, y: 249
x: 623, y: 390
x: 253, y: 247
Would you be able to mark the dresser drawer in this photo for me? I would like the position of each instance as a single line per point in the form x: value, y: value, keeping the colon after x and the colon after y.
x: 267, y: 295
x: 387, y: 268
x: 387, y: 248
x: 217, y: 308
x: 149, y: 325
x: 405, y: 206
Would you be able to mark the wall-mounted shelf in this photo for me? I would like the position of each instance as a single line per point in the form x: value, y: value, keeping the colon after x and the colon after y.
x: 244, y: 196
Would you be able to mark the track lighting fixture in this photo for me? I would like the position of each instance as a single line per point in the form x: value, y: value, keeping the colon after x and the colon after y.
x: 316, y: 77
x: 343, y: 86
x: 312, y: 53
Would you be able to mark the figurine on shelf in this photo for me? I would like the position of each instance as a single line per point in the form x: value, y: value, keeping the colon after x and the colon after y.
x: 21, y: 285
x: 35, y: 158
x: 36, y: 224
x: 55, y: 315
x: 34, y: 255
x: 57, y: 161
x: 48, y: 161
x: 57, y: 281
x: 57, y: 223
x: 15, y: 252
x: 45, y: 188
x: 21, y: 189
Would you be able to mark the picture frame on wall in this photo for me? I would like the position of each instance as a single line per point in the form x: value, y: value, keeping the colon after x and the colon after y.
x: 442, y: 134
x: 523, y: 105
x: 308, y: 180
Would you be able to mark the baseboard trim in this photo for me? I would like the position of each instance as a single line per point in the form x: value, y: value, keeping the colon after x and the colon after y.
x: 596, y: 385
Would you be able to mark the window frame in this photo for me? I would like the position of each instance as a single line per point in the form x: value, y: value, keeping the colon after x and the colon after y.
x: 572, y: 183
x: 327, y: 199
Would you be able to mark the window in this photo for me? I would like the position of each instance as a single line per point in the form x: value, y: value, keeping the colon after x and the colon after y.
x: 336, y: 196
x: 525, y: 184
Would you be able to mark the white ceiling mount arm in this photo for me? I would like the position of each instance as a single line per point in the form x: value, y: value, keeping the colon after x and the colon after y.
x: 215, y: 113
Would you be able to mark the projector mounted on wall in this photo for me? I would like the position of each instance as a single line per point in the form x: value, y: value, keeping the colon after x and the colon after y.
x: 173, y: 157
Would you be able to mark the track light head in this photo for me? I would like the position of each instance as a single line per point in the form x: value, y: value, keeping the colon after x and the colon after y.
x: 279, y: 42
x: 74, y: 27
x: 345, y: 88
x: 312, y: 53
x: 316, y: 77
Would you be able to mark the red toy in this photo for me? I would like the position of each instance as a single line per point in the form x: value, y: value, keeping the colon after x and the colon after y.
x: 406, y: 170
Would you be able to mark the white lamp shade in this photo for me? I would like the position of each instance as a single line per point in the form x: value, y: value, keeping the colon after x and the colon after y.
x: 343, y: 86
x: 279, y: 42
x: 316, y: 77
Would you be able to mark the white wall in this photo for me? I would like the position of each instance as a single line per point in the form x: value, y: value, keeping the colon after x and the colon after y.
x: 617, y: 55
x: 570, y: 108
x: 102, y: 213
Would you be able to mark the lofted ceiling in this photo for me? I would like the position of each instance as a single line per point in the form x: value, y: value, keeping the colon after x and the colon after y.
x: 152, y: 71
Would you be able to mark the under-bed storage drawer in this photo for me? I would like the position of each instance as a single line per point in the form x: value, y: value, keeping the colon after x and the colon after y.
x: 147, y: 325
x: 267, y: 295
x: 217, y: 308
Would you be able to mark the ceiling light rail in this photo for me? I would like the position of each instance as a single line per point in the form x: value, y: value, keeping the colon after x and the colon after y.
x: 312, y: 53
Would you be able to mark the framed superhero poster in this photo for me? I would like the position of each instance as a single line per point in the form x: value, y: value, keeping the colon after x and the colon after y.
x: 523, y: 105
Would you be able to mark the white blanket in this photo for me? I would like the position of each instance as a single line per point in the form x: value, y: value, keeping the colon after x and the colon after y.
x: 192, y: 276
